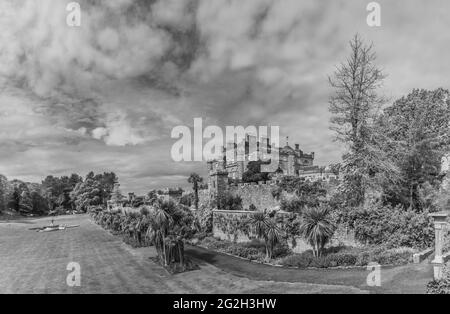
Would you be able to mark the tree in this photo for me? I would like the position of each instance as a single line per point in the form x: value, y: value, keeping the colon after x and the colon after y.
x: 195, y: 179
x: 14, y: 199
x: 3, y: 192
x: 40, y: 204
x: 94, y: 190
x: 253, y: 173
x: 107, y: 181
x: 116, y: 195
x: 317, y: 228
x: 88, y: 193
x: 151, y: 197
x: 57, y: 190
x: 25, y: 202
x: 267, y: 230
x: 417, y: 129
x: 354, y: 106
x: 169, y: 225
x: 187, y: 199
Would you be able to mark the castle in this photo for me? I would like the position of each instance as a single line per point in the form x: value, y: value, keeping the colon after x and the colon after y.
x: 288, y: 162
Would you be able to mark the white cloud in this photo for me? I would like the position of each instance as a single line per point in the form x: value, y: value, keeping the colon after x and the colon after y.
x: 105, y: 95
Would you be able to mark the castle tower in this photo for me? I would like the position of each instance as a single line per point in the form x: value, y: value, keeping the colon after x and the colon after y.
x: 218, y: 183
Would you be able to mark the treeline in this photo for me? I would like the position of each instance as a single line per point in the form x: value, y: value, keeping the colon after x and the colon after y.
x: 56, y: 195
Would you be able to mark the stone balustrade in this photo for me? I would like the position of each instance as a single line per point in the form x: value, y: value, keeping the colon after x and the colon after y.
x: 441, y: 228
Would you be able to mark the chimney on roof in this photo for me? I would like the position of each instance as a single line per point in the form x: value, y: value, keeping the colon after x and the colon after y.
x: 297, y: 147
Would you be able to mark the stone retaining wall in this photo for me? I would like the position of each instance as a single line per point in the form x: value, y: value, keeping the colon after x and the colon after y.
x: 259, y: 195
x: 233, y: 226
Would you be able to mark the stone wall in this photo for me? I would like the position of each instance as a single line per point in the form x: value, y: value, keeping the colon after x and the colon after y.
x: 233, y: 226
x: 203, y: 197
x: 259, y: 195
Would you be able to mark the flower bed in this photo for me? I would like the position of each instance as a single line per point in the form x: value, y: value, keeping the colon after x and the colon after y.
x: 333, y: 257
x: 254, y: 250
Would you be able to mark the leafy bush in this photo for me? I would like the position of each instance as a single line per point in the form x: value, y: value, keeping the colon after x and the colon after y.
x: 440, y: 286
x: 203, y: 219
x: 302, y: 260
x: 188, y: 199
x: 392, y: 226
x: 346, y: 257
x: 292, y: 204
x: 253, y: 172
x: 308, y: 194
x: 229, y: 202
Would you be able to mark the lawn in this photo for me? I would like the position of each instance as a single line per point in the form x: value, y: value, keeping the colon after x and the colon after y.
x: 32, y: 262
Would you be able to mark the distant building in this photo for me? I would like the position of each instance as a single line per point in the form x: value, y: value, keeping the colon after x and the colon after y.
x: 174, y: 194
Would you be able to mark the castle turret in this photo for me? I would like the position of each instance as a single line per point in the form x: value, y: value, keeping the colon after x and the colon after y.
x: 218, y: 183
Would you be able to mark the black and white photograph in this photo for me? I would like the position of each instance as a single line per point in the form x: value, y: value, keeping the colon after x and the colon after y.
x: 224, y: 154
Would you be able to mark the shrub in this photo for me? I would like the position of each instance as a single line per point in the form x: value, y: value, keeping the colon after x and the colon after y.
x: 440, y: 286
x: 203, y: 219
x: 310, y: 194
x: 342, y: 259
x: 393, y: 256
x: 346, y: 257
x: 229, y: 202
x: 392, y: 226
x: 302, y: 260
x: 292, y: 204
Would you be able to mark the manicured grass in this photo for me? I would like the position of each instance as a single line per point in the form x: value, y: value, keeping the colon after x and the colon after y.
x: 411, y: 278
x: 32, y: 262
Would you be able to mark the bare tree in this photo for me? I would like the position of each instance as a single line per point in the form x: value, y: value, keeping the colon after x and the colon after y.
x: 355, y: 106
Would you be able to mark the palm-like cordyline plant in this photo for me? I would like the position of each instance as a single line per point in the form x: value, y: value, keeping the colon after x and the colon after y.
x: 169, y: 225
x: 195, y: 179
x: 160, y: 222
x: 266, y: 229
x: 317, y: 228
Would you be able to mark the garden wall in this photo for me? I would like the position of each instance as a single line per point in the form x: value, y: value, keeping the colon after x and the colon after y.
x: 234, y: 226
x: 259, y: 195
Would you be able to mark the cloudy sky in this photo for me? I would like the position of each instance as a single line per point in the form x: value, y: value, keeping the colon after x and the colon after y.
x: 105, y: 96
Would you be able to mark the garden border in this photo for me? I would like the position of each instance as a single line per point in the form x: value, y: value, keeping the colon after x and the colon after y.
x: 303, y: 268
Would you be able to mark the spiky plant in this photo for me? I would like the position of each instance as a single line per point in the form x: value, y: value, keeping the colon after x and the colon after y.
x: 317, y: 228
x: 267, y: 230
